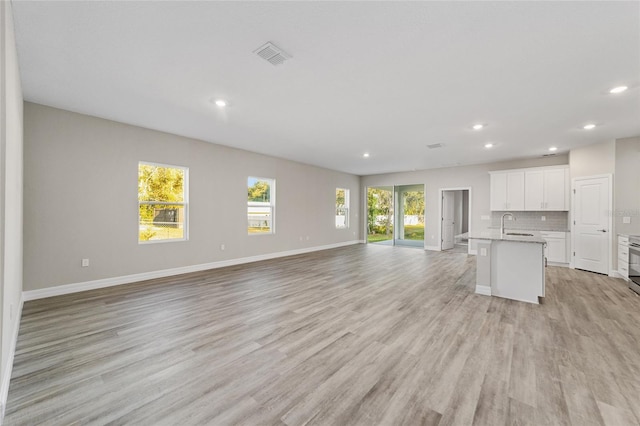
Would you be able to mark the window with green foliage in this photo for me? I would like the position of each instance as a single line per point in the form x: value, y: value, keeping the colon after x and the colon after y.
x: 342, y: 208
x: 261, y: 204
x: 162, y: 202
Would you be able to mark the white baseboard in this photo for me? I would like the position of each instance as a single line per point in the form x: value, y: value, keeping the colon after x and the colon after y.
x: 8, y: 368
x: 485, y: 290
x: 617, y: 274
x: 127, y: 279
x: 432, y: 248
x: 562, y: 265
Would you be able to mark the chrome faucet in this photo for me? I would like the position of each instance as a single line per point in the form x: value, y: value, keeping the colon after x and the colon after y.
x: 502, y: 221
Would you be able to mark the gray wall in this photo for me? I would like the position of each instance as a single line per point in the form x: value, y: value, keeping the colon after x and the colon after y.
x: 476, y: 177
x: 10, y: 190
x: 81, y: 200
x: 627, y: 186
x: 591, y: 160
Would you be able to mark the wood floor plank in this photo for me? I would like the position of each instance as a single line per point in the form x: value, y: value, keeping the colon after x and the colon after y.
x: 362, y: 335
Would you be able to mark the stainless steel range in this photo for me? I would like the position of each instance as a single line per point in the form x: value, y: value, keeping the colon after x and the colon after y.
x: 634, y: 263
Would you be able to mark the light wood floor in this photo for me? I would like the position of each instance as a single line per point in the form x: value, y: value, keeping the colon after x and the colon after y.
x: 357, y: 335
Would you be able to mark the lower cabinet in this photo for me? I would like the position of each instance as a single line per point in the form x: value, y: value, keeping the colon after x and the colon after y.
x: 623, y: 256
x: 556, y: 249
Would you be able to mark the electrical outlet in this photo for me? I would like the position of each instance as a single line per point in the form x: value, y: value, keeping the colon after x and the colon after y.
x: 301, y: 238
x: 85, y: 263
x: 626, y: 219
x: 543, y: 218
x: 307, y: 238
x: 222, y: 247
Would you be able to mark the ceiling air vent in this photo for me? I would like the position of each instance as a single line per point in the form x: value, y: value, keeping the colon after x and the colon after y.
x: 548, y: 155
x: 272, y: 53
x: 434, y: 146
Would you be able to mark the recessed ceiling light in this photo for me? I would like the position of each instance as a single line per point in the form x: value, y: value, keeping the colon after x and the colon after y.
x: 553, y: 148
x: 478, y: 126
x: 221, y: 103
x: 488, y: 145
x: 365, y: 155
x: 589, y: 126
x: 618, y: 89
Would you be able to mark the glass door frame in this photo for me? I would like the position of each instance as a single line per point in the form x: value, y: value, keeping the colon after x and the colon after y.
x: 396, y: 209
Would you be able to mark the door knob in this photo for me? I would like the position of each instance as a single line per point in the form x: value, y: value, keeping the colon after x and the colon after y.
x: 601, y: 230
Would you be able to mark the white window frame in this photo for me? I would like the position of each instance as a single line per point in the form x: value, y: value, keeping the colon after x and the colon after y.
x: 184, y: 204
x: 345, y: 208
x: 271, y: 206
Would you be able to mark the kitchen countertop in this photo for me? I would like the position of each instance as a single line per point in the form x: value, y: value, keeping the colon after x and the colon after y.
x: 537, y: 230
x: 494, y: 235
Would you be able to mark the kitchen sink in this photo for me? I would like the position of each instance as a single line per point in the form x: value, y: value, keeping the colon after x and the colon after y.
x: 519, y: 234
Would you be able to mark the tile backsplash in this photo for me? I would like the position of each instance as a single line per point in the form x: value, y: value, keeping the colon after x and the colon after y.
x: 555, y: 221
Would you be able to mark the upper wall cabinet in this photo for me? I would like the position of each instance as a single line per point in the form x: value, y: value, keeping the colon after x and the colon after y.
x: 507, y: 191
x: 534, y: 189
x: 546, y: 189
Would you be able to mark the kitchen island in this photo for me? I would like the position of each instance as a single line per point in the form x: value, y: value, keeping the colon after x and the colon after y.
x: 510, y: 264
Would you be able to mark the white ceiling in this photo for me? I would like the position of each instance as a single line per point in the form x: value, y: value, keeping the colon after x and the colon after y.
x: 386, y: 78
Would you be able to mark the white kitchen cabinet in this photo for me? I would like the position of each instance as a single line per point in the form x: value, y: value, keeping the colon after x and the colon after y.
x: 533, y: 189
x: 546, y: 189
x: 507, y: 191
x: 623, y: 256
x: 556, y: 189
x: 556, y: 249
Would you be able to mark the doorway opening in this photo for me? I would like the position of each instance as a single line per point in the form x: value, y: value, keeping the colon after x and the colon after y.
x: 395, y: 215
x: 455, y: 219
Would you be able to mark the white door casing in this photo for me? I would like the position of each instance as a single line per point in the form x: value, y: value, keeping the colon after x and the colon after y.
x: 591, y: 229
x: 448, y: 214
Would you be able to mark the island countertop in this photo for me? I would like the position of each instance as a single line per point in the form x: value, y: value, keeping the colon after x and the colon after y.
x: 494, y: 235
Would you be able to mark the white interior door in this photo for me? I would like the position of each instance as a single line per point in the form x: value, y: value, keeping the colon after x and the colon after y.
x: 591, y: 215
x: 448, y: 221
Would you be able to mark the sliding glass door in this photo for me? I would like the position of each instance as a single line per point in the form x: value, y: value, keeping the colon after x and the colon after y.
x: 395, y: 215
x: 409, y: 215
x: 380, y: 215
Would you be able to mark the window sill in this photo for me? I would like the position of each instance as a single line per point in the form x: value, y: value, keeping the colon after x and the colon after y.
x: 172, y: 240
